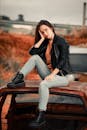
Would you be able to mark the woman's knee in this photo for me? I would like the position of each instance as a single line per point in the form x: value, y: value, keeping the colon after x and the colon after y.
x: 43, y: 85
x: 36, y: 56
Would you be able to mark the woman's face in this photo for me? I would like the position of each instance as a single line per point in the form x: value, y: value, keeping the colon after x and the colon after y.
x: 46, y: 31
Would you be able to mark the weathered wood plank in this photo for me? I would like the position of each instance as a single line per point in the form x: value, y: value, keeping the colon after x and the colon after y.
x: 5, y: 109
x: 76, y: 89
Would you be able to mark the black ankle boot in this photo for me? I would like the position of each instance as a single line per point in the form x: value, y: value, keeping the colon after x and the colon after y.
x: 40, y: 120
x: 17, y: 81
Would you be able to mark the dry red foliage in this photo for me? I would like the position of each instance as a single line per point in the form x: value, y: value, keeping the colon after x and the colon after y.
x: 76, y: 41
x: 13, y: 53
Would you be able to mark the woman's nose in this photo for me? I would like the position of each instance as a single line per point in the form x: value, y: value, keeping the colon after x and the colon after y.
x: 45, y: 33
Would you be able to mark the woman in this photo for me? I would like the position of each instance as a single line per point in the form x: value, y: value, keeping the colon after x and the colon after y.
x: 50, y: 56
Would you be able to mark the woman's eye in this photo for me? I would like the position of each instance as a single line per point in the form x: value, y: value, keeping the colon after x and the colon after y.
x: 42, y: 32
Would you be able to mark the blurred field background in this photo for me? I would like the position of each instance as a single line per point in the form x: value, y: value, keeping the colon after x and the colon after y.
x: 16, y: 42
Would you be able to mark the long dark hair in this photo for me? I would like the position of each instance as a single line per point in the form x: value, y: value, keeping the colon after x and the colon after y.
x: 42, y: 22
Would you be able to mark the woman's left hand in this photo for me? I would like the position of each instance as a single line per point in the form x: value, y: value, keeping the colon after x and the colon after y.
x: 49, y: 77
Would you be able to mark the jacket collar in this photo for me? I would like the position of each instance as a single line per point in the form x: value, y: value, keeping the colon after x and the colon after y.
x: 55, y: 38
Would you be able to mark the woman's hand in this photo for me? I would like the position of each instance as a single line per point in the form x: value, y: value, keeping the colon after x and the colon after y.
x: 42, y: 36
x: 37, y: 45
x: 49, y: 77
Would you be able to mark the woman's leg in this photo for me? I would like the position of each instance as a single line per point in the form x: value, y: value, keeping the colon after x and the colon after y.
x: 57, y: 81
x: 35, y: 61
x: 44, y: 95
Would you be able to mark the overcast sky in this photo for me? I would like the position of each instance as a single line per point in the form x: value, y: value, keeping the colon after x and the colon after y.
x: 56, y: 11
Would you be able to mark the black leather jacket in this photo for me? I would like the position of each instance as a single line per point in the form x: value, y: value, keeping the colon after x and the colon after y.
x: 59, y: 54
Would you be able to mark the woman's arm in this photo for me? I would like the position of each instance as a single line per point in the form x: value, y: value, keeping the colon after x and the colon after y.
x: 63, y: 48
x: 35, y: 49
x: 37, y: 45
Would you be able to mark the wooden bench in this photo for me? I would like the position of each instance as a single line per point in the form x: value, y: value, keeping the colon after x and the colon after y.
x: 2, y: 100
x: 69, y: 111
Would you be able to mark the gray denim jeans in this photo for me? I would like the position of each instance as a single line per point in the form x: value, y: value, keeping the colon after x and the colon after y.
x: 43, y: 71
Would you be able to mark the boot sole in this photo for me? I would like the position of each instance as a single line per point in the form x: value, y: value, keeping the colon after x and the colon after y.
x: 37, y: 126
x: 19, y: 85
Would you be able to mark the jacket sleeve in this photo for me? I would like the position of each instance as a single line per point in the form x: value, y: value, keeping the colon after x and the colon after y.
x: 63, y: 53
x: 34, y: 50
x: 38, y: 51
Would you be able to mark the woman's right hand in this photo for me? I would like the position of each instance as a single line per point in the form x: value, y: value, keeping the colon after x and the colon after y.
x: 42, y: 36
x: 37, y: 45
